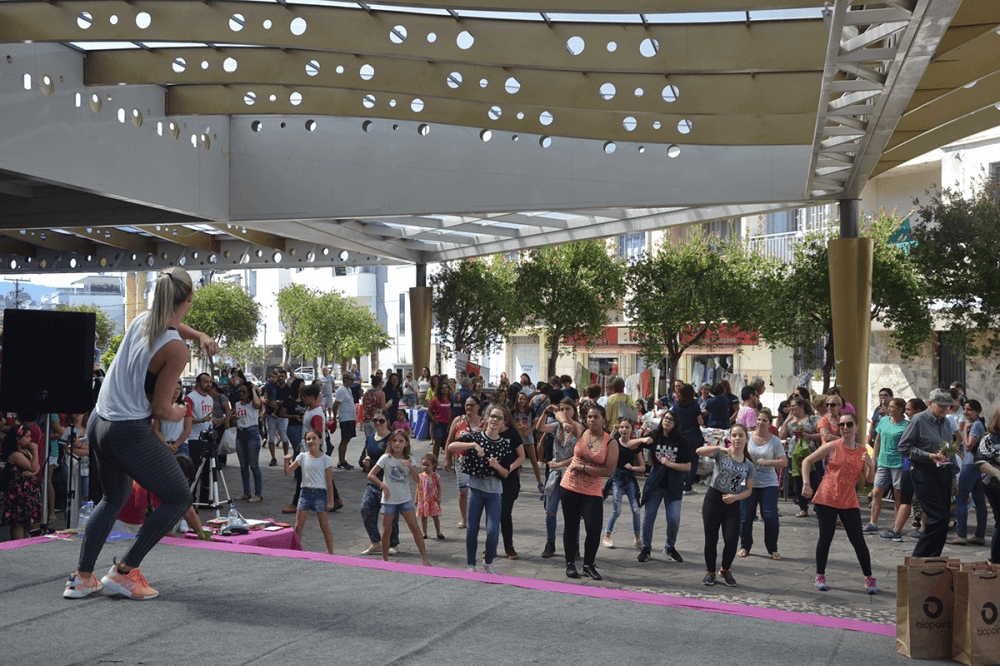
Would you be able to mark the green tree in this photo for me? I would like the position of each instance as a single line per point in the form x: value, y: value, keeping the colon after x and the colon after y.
x: 567, y: 291
x: 112, y: 350
x: 104, y: 328
x: 245, y: 353
x: 226, y: 313
x: 958, y: 248
x: 683, y: 291
x: 799, y: 311
x: 294, y: 301
x: 475, y: 304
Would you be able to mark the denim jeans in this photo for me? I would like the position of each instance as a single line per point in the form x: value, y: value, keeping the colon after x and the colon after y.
x: 968, y: 483
x: 551, y: 508
x: 492, y: 502
x: 673, y: 511
x: 623, y: 483
x: 248, y: 452
x: 767, y: 498
x: 371, y: 509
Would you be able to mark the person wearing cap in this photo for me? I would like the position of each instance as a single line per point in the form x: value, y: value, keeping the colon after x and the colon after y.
x: 343, y: 408
x: 922, y: 442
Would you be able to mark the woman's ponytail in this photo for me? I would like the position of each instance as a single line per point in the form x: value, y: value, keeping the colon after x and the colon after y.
x: 173, y: 286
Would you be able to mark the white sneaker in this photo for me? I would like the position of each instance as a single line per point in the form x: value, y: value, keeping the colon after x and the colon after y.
x: 490, y: 569
x: 372, y: 550
x: 471, y: 568
x: 183, y: 527
x: 393, y: 551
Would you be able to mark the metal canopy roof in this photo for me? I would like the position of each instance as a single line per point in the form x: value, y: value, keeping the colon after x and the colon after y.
x: 141, y: 134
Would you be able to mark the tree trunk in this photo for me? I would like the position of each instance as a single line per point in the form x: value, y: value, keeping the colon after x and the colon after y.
x: 553, y: 356
x: 830, y: 360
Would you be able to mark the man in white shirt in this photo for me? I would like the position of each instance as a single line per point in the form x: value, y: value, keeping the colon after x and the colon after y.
x: 327, y: 390
x: 200, y: 407
x: 343, y: 407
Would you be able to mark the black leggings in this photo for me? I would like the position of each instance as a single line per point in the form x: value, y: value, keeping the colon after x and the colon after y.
x: 851, y: 519
x: 717, y: 514
x: 591, y: 509
x: 128, y: 450
x: 511, y: 489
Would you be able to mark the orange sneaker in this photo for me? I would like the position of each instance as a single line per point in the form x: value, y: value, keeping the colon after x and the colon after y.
x: 77, y: 587
x: 131, y: 585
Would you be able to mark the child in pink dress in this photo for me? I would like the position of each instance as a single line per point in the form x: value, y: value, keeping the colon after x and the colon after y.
x: 429, y: 494
x: 402, y: 423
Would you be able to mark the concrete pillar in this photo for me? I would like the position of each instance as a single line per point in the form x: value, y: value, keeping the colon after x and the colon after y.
x: 421, y: 318
x: 850, y: 262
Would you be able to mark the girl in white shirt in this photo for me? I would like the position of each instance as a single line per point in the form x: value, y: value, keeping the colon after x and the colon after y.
x: 396, y: 496
x: 317, y: 485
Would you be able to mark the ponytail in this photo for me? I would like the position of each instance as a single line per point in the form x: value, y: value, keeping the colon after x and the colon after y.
x: 173, y: 286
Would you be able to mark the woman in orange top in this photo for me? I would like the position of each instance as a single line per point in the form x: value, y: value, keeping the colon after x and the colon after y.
x: 837, y: 497
x: 582, y: 490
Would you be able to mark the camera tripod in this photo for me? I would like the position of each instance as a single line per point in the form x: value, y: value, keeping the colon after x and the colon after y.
x: 209, y: 468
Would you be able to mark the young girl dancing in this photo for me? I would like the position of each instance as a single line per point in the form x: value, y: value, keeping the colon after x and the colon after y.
x: 317, y: 485
x: 396, y: 498
x: 429, y: 494
x: 732, y: 482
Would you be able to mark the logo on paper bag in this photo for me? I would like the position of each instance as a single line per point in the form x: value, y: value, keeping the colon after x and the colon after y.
x: 934, y: 611
x: 933, y: 608
x: 989, y: 613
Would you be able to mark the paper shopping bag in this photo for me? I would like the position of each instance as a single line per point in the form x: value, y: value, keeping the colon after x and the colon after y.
x: 925, y: 604
x: 976, y: 637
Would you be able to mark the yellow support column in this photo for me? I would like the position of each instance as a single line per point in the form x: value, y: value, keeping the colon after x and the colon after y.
x: 850, y: 260
x: 421, y: 315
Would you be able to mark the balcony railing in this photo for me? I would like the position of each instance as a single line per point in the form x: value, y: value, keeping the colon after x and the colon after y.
x: 776, y: 245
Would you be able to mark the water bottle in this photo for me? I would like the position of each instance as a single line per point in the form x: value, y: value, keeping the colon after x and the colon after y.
x: 234, y: 515
x: 85, y: 511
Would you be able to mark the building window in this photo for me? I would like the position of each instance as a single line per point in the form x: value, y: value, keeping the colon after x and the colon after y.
x: 402, y: 314
x: 779, y: 223
x: 722, y: 229
x: 814, y: 218
x: 995, y: 172
x: 631, y: 246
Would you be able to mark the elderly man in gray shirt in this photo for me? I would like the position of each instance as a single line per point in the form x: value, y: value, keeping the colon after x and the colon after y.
x: 922, y: 442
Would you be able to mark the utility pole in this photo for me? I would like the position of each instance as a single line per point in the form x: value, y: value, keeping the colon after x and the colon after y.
x: 17, y: 291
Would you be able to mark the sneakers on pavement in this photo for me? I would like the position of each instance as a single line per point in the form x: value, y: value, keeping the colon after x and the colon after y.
x: 550, y: 549
x: 345, y: 466
x: 490, y: 569
x: 958, y: 541
x: 692, y: 491
x: 591, y: 570
x: 727, y: 577
x: 393, y: 551
x: 709, y: 579
x: 977, y: 540
x: 471, y: 568
x: 638, y: 541
x: 131, y: 585
x: 644, y: 555
x: 607, y: 542
x: 821, y: 584
x: 891, y: 535
x: 870, y: 528
x: 870, y: 586
x: 916, y: 536
x: 273, y: 463
x: 77, y: 587
x: 673, y: 554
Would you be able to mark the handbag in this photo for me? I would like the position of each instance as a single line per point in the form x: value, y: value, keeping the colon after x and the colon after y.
x: 228, y: 443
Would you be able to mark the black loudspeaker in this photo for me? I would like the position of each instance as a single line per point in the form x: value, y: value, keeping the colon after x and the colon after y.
x: 48, y: 362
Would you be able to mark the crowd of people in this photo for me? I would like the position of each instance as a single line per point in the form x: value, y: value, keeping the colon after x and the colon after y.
x: 937, y: 458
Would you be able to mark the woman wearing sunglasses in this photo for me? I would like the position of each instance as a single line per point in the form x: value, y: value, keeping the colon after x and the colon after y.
x: 837, y: 496
x: 371, y: 503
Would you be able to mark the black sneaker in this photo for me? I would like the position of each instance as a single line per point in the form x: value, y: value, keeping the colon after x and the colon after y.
x: 727, y: 577
x: 673, y: 554
x: 273, y: 463
x: 345, y: 466
x: 550, y: 549
x: 591, y: 570
x: 644, y: 555
x: 709, y: 579
x: 571, y: 570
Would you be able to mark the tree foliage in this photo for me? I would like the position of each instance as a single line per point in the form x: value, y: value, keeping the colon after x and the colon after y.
x: 681, y: 292
x: 104, y: 329
x: 475, y: 305
x: 112, y: 350
x: 225, y: 312
x: 799, y: 296
x: 327, y: 325
x: 958, y: 248
x: 245, y: 353
x: 567, y: 291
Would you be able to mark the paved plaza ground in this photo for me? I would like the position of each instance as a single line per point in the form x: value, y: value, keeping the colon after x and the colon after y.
x: 228, y: 606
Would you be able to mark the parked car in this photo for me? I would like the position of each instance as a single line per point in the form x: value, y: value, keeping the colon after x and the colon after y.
x: 306, y: 372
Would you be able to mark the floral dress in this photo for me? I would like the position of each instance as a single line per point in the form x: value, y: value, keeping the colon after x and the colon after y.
x: 428, y: 497
x: 24, y: 499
